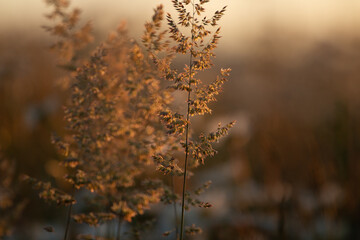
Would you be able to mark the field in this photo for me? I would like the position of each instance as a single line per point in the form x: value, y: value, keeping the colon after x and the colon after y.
x: 176, y: 126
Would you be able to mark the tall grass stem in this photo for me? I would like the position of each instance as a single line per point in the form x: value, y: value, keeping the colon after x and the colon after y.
x: 68, y: 222
x: 187, y: 132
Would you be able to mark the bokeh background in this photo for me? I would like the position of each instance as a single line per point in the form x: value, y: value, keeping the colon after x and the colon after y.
x: 290, y: 168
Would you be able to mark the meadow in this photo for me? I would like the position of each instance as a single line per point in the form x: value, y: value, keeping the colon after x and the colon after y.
x: 149, y: 136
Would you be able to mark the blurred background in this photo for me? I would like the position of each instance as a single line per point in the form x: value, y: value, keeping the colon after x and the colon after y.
x: 290, y: 168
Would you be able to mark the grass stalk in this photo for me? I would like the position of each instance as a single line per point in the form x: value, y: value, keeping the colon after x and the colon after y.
x: 68, y: 218
x: 175, y: 209
x: 118, y: 233
x: 187, y: 132
x: 281, y: 219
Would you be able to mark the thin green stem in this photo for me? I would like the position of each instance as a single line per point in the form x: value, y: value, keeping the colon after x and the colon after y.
x: 187, y: 131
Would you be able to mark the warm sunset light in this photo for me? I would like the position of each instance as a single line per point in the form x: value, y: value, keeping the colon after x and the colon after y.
x: 179, y: 119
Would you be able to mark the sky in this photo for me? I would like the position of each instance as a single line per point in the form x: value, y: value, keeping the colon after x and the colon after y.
x: 243, y: 23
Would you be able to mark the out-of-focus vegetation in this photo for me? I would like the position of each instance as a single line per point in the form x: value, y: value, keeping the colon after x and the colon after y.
x: 289, y: 170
